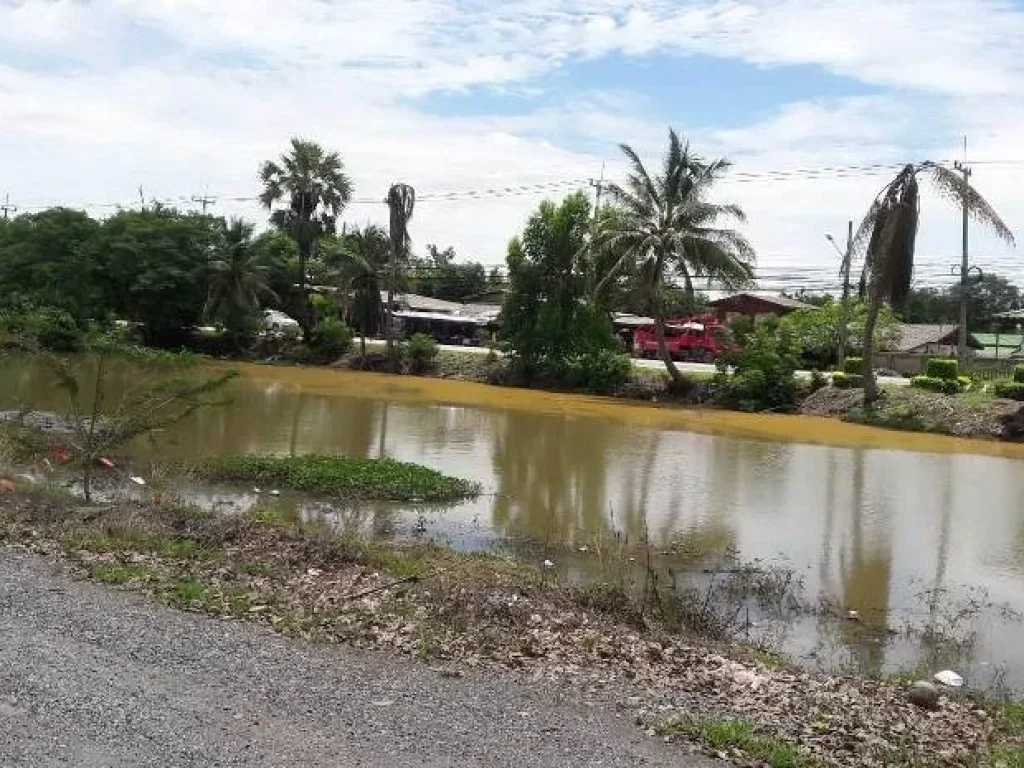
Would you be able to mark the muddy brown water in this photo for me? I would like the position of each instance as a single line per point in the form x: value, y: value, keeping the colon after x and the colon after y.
x: 920, y: 535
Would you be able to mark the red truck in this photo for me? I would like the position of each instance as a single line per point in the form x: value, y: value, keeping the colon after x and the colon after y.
x: 700, y: 339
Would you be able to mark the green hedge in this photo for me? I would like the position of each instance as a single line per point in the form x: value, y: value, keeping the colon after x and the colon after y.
x: 852, y: 366
x: 1018, y: 374
x: 1013, y: 390
x: 942, y: 368
x: 841, y: 380
x: 935, y: 384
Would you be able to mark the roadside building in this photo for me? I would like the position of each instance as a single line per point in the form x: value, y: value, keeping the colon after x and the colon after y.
x: 754, y: 305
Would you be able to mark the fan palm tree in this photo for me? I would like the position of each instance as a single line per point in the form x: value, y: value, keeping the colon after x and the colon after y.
x: 359, y: 258
x: 890, y: 231
x: 313, y: 188
x: 668, y: 227
x: 401, y: 200
x: 237, y: 282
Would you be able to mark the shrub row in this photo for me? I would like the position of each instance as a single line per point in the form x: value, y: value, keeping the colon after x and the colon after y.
x: 1012, y: 390
x: 945, y: 386
x: 844, y: 380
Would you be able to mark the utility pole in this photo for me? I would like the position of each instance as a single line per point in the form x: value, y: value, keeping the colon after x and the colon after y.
x: 204, y: 200
x: 844, y: 273
x: 7, y: 208
x: 599, y: 187
x: 961, y: 346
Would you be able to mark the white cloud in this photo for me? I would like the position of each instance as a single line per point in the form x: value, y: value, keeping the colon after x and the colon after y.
x: 178, y: 95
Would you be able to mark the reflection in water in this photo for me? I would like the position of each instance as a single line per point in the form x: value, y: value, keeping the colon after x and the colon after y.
x: 866, y: 528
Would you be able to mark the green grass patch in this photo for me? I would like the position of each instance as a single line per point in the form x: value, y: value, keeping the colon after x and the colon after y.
x: 119, y: 573
x: 172, y: 547
x: 271, y: 516
x: 376, y: 479
x: 187, y: 592
x: 1007, y: 757
x: 731, y: 735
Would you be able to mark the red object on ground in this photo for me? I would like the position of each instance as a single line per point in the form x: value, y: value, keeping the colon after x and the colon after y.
x: 105, y: 462
x: 59, y: 453
x: 8, y: 486
x: 698, y: 339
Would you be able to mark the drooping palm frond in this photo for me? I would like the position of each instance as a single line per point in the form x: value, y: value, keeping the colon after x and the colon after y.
x: 951, y: 185
x: 401, y: 200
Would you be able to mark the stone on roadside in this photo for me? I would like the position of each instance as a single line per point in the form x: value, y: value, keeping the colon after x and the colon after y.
x: 923, y: 694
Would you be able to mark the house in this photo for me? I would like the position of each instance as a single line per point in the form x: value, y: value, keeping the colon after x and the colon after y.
x: 752, y: 305
x: 413, y: 302
x: 934, y: 340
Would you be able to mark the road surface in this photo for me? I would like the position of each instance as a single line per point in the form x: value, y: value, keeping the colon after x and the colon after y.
x: 94, y: 676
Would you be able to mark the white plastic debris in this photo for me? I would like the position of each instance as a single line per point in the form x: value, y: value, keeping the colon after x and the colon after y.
x: 256, y: 490
x: 137, y: 480
x: 950, y: 678
x: 548, y: 564
x: 275, y: 492
x: 853, y: 615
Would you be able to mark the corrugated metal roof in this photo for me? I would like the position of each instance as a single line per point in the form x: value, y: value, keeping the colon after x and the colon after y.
x: 914, y: 335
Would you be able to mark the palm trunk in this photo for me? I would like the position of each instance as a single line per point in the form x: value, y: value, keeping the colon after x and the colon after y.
x: 659, y: 328
x: 304, y: 320
x: 867, y: 365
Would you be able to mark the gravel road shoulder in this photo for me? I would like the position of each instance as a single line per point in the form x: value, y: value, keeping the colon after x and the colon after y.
x: 93, y: 676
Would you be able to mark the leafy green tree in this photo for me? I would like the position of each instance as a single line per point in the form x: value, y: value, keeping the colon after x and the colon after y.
x: 890, y: 231
x: 439, y: 275
x: 152, y: 263
x: 547, y: 315
x: 237, y: 282
x: 279, y: 254
x: 313, y: 187
x: 666, y: 224
x: 359, y: 259
x: 817, y: 331
x: 43, y: 263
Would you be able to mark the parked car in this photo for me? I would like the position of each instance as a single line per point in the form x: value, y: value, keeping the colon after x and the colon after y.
x: 279, y: 324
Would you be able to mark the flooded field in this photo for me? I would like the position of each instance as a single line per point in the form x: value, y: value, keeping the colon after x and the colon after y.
x: 921, y: 537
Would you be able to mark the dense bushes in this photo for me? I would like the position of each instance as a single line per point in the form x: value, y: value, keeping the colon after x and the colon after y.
x: 601, y: 372
x: 843, y: 380
x: 330, y: 338
x: 941, y: 375
x: 1012, y: 390
x: 420, y: 351
x: 853, y: 365
x: 1018, y: 374
x: 763, y: 371
x: 47, y: 327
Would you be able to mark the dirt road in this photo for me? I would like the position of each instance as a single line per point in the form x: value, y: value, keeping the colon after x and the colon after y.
x: 92, y: 676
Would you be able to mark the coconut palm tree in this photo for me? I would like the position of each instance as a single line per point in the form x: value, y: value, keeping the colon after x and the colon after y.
x: 237, y: 282
x: 401, y: 200
x: 359, y: 257
x: 668, y: 227
x: 312, y: 187
x: 890, y: 231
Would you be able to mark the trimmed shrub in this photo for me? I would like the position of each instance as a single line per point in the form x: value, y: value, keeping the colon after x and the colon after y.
x: 1012, y: 390
x: 602, y: 372
x: 1018, y: 374
x: 852, y: 365
x: 421, y: 351
x: 942, y: 368
x: 934, y: 384
x: 331, y: 338
x: 818, y: 381
x: 841, y: 380
x: 966, y: 383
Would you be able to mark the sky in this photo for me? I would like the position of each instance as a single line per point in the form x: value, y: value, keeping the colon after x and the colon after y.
x: 188, y: 97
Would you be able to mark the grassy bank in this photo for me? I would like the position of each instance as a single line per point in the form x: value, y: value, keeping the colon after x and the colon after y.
x: 458, y: 611
x: 348, y: 477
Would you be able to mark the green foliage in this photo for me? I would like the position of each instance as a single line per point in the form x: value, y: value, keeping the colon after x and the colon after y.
x: 935, y: 384
x: 1018, y: 374
x: 942, y: 368
x: 440, y: 276
x: 237, y: 282
x: 378, y: 479
x: 421, y: 351
x: 986, y: 296
x: 818, y: 330
x: 853, y: 365
x: 546, y: 316
x: 818, y: 380
x: 119, y: 573
x: 48, y: 328
x: 1012, y: 390
x: 763, y: 371
x: 331, y: 338
x: 843, y: 380
x: 602, y: 371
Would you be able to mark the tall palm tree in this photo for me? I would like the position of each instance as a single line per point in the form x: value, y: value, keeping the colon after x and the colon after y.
x: 890, y: 231
x: 359, y: 258
x: 667, y: 225
x: 401, y: 200
x: 313, y: 187
x: 237, y: 282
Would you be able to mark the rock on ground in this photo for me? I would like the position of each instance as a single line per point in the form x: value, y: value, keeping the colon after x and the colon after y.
x: 92, y: 676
